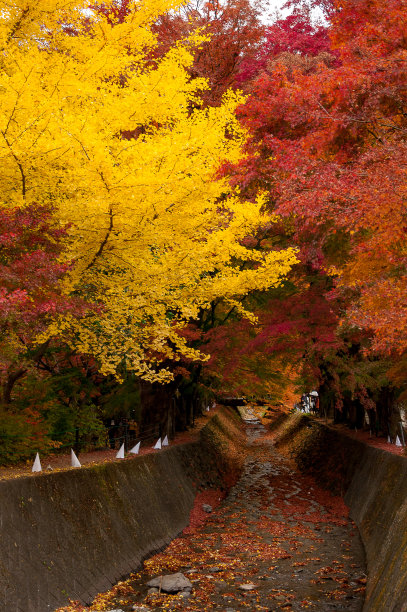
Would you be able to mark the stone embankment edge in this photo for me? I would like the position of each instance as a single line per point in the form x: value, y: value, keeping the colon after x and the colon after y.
x: 374, y: 485
x: 72, y: 534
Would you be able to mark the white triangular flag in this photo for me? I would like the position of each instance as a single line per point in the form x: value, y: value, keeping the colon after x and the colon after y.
x: 37, y: 464
x: 74, y: 459
x: 120, y: 452
x: 157, y: 445
x: 398, y: 443
x: 165, y: 441
x: 388, y: 440
x: 135, y: 450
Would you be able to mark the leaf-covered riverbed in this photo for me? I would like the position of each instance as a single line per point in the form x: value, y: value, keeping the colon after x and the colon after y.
x: 276, y: 531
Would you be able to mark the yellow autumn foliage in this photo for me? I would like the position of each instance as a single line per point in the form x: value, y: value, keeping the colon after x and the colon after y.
x: 122, y: 151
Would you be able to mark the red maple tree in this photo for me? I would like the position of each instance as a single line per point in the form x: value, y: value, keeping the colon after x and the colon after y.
x: 30, y: 292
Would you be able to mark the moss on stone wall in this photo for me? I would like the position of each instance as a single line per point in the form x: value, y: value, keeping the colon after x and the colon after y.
x: 74, y: 533
x: 374, y: 483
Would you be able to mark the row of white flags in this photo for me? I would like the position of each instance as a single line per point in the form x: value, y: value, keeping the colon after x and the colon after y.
x: 120, y: 454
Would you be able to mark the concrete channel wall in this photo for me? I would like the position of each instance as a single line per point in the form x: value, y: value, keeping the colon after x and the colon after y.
x: 374, y: 484
x: 72, y: 534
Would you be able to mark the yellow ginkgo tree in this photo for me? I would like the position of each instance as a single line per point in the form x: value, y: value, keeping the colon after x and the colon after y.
x: 120, y: 148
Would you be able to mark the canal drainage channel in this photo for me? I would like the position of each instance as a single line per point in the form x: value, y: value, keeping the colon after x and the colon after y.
x: 277, y: 541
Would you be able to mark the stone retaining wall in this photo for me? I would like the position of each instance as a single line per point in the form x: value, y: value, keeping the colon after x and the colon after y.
x: 74, y: 533
x: 375, y: 486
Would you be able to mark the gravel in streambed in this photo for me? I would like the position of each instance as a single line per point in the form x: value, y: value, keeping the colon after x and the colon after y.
x: 277, y: 542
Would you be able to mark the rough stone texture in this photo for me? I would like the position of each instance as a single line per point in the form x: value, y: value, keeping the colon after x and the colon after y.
x: 375, y: 486
x: 172, y: 583
x: 73, y: 534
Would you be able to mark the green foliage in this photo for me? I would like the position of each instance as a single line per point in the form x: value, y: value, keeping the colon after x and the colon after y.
x: 77, y: 424
x: 22, y: 435
x: 122, y: 400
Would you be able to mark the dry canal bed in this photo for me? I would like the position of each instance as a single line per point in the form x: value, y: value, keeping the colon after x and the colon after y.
x: 277, y: 542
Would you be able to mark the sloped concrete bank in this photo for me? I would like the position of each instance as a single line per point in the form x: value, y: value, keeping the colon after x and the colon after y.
x: 72, y: 534
x: 374, y: 483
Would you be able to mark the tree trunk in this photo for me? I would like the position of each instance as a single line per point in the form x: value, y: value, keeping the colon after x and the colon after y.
x: 12, y: 378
